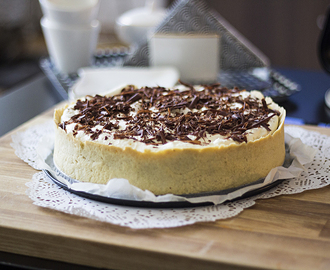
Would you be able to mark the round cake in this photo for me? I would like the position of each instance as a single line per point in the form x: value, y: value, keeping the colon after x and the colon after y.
x: 189, y: 139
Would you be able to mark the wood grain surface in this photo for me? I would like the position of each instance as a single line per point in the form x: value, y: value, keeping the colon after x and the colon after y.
x: 285, y: 232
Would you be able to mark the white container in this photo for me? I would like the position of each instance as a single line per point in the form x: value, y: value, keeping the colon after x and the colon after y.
x: 70, y: 48
x: 72, y: 12
x: 93, y: 81
x: 196, y: 56
x: 135, y: 25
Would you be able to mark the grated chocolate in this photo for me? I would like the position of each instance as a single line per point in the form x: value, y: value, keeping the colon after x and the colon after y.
x: 169, y: 115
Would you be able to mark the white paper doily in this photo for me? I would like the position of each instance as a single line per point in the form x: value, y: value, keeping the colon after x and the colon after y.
x: 45, y: 193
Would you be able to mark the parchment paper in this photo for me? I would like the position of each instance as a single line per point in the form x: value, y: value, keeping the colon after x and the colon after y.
x: 119, y: 188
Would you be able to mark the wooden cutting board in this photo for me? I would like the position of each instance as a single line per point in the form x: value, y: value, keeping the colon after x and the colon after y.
x: 285, y: 232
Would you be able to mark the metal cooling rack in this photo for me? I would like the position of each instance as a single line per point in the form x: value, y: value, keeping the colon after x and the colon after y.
x: 274, y: 84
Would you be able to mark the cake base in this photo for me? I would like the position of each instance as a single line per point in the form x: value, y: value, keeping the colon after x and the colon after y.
x: 175, y: 171
x: 202, y: 197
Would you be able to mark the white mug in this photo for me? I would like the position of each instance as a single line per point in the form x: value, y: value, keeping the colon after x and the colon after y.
x: 70, y: 47
x: 71, y: 12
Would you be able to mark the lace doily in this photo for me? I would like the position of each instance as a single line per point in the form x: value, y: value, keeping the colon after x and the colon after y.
x: 45, y: 193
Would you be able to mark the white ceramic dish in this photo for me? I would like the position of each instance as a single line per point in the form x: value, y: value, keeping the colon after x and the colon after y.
x: 136, y: 24
x: 101, y: 80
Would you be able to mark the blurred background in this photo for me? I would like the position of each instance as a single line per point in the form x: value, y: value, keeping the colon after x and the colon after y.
x: 287, y: 32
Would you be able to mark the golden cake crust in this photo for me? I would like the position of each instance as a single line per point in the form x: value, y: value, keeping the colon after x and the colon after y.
x: 176, y: 170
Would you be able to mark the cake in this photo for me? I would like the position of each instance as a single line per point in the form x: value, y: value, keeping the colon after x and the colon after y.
x: 185, y: 140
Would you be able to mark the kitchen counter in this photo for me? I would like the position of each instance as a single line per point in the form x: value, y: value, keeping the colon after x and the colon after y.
x: 284, y: 232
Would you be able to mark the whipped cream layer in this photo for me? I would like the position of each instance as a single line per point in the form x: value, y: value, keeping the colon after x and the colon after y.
x: 159, y: 119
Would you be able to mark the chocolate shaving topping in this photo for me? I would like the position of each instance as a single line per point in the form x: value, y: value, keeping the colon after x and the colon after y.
x: 155, y: 115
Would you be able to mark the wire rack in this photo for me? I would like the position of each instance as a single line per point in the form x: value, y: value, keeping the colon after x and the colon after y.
x: 274, y: 84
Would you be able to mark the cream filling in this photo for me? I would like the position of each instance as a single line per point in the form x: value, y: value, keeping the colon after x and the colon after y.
x: 106, y: 137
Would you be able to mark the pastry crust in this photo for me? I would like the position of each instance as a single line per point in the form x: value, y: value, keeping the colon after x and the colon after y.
x: 174, y: 170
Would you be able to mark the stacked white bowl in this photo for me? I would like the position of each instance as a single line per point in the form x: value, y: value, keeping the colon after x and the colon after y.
x: 71, y: 32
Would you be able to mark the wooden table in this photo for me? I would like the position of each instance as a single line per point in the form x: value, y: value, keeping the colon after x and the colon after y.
x: 285, y: 232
